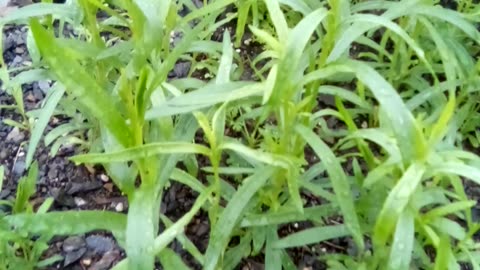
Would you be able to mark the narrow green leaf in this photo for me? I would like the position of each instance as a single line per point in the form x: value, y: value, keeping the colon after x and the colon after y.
x: 339, y: 181
x: 79, y: 83
x: 451, y: 208
x: 30, y: 76
x: 204, y: 97
x: 26, y: 188
x: 56, y: 93
x: 234, y: 255
x: 225, y: 67
x: 345, y: 94
x: 273, y: 256
x: 143, y: 151
x: 218, y: 124
x: 297, y: 5
x: 457, y: 168
x: 402, y: 246
x: 171, y: 260
x: 450, y: 16
x: 312, y: 236
x: 290, y: 57
x: 167, y: 236
x: 70, y: 223
x: 264, y: 157
x: 230, y: 216
x: 278, y: 20
x: 381, y: 20
x: 396, y: 203
x: 70, y: 12
x: 188, y: 180
x: 442, y: 260
x: 449, y: 227
x: 408, y: 135
x: 140, y: 231
x: 381, y: 138
x: 284, y: 216
x: 185, y: 242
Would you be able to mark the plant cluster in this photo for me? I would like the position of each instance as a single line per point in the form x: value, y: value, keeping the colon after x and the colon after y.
x: 402, y: 78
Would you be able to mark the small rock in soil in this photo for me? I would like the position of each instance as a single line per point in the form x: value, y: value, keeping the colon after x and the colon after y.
x: 61, y: 198
x: 181, y: 69
x: 44, y: 86
x: 19, y: 50
x: 19, y: 168
x: 8, y: 42
x: 119, y: 207
x: 476, y: 213
x: 15, y: 135
x: 108, y: 186
x: 87, y: 261
x: 73, y: 243
x: 3, y: 154
x: 79, y: 201
x: 74, y: 256
x: 104, y: 178
x: 18, y: 59
x: 4, y: 193
x: 76, y: 187
x: 30, y: 97
x: 99, y: 244
x: 200, y: 229
x: 74, y: 247
x: 37, y: 93
x: 106, y: 261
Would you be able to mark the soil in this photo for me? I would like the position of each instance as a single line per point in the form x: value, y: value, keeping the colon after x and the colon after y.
x: 80, y: 188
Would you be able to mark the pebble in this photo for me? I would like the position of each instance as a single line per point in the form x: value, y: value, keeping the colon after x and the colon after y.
x: 106, y: 261
x: 87, y: 261
x: 108, y: 186
x: 19, y: 50
x: 3, y: 154
x: 30, y: 97
x: 79, y: 201
x: 104, y: 178
x: 4, y: 193
x: 19, y: 167
x: 99, y: 244
x: 8, y: 42
x: 18, y: 59
x: 74, y: 256
x: 119, y: 207
x: 73, y: 243
x: 44, y: 86
x: 76, y: 187
x: 15, y: 135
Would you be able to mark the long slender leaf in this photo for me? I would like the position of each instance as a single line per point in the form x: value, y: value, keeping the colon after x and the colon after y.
x: 396, y: 203
x: 313, y: 235
x: 70, y: 222
x: 143, y: 151
x: 339, y: 182
x: 230, y: 216
x: 43, y: 119
x: 402, y: 247
x: 79, y: 84
x: 140, y: 231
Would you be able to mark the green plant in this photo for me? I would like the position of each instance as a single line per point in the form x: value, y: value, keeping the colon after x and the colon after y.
x: 19, y: 248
